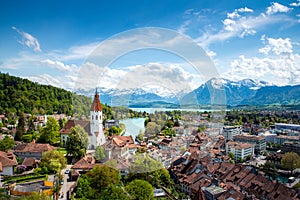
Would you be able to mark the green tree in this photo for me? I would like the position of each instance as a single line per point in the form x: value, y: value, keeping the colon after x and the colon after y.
x: 50, y: 134
x: 103, y: 176
x: 84, y: 189
x: 140, y: 190
x: 152, y: 128
x: 78, y: 142
x: 231, y: 155
x: 7, y: 143
x: 20, y: 127
x: 62, y: 122
x: 290, y: 161
x: 52, y: 162
x: 115, y: 193
x: 100, y: 153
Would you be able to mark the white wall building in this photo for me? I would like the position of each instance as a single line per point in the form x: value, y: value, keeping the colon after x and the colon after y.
x: 239, y: 150
x: 229, y: 131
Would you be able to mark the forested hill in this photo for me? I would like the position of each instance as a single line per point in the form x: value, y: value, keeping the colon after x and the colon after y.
x: 21, y: 95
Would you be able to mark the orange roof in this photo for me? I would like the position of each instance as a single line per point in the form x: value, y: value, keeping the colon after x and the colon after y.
x: 7, y: 159
x: 96, y: 106
x: 34, y: 147
x: 123, y: 140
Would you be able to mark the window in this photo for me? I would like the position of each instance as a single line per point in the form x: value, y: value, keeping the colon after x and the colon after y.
x: 96, y: 117
x: 92, y: 117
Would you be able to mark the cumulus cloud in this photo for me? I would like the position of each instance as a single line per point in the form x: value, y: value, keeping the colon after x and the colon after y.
x: 60, y: 65
x: 28, y: 40
x: 241, y: 22
x: 277, y: 8
x: 295, y: 4
x: 278, y: 62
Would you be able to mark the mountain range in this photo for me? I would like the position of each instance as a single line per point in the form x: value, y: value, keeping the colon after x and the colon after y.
x: 215, y: 91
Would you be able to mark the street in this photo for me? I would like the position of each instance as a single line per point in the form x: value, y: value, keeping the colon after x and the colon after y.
x: 65, y: 184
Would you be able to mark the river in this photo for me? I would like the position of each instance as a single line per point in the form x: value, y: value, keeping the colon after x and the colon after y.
x: 133, y: 126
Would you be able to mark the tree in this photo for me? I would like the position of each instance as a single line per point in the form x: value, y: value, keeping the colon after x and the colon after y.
x: 78, y: 142
x: 100, y: 153
x: 50, y: 134
x: 7, y: 143
x: 115, y: 193
x: 152, y: 128
x: 231, y: 155
x: 84, y: 188
x: 37, y: 196
x: 140, y: 190
x: 62, y: 122
x: 290, y: 161
x: 20, y: 127
x: 52, y: 162
x: 103, y: 176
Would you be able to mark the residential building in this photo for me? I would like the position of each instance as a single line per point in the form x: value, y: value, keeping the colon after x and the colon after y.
x: 290, y: 147
x: 229, y: 131
x: 213, y: 192
x: 240, y: 150
x: 119, y: 146
x: 32, y: 150
x: 7, y: 163
x: 112, y: 122
x: 284, y: 126
x: 258, y: 141
x: 94, y: 127
x: 280, y: 139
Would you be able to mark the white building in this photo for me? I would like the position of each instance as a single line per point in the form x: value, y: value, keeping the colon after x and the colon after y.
x: 229, y: 131
x: 239, y: 150
x: 96, y: 136
x: 94, y: 127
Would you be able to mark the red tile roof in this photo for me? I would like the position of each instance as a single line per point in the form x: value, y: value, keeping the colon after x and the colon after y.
x: 72, y: 123
x: 7, y: 159
x: 28, y: 162
x: 96, y: 106
x: 34, y: 147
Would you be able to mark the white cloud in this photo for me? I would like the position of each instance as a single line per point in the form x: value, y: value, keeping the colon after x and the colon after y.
x: 183, y: 27
x: 236, y: 25
x: 235, y: 13
x: 295, y: 4
x: 60, y: 66
x: 277, y: 8
x: 279, y: 63
x: 28, y: 40
x: 245, y: 10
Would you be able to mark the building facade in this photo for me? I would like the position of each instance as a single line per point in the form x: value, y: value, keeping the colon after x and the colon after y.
x: 240, y: 150
x: 259, y: 142
x: 229, y: 131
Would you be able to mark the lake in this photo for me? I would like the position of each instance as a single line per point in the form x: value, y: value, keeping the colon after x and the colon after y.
x: 133, y: 126
x: 152, y: 110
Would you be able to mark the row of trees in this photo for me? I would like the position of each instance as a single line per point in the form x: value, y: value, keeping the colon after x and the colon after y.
x: 105, y: 182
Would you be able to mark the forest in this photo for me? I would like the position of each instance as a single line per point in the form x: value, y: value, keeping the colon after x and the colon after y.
x: 22, y: 95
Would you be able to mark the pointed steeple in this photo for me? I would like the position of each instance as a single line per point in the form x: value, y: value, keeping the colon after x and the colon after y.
x: 96, y: 106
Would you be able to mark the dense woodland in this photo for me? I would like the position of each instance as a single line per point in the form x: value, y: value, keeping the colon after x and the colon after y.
x: 22, y: 95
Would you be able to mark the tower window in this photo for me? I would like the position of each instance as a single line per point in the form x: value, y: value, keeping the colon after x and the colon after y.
x: 96, y: 117
x: 92, y: 117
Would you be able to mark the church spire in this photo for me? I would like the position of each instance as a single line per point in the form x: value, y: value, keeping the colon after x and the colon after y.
x: 96, y: 106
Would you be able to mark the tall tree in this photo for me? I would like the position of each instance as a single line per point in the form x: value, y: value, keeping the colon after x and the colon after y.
x: 100, y: 153
x: 52, y: 161
x: 140, y: 190
x: 6, y: 144
x: 50, y: 134
x: 290, y: 161
x: 20, y: 127
x: 78, y: 142
x: 115, y: 193
x: 103, y: 176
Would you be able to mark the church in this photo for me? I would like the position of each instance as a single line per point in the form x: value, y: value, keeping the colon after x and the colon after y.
x: 94, y: 127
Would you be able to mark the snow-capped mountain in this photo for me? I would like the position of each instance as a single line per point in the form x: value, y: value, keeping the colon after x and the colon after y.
x: 224, y: 91
x: 215, y: 90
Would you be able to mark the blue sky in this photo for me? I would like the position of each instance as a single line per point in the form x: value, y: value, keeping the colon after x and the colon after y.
x: 49, y: 41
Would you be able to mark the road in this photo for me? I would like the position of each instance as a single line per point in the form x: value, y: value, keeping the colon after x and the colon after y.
x: 66, y: 185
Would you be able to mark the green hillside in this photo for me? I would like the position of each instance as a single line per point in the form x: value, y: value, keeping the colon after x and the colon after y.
x: 21, y: 95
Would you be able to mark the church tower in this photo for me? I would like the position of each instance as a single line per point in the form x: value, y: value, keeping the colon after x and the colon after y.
x: 96, y: 136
